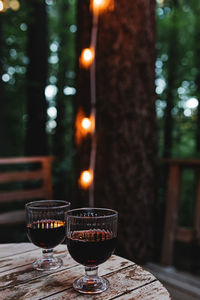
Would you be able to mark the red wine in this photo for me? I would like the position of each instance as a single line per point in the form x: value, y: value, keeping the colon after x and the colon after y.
x: 91, y: 247
x: 46, y: 233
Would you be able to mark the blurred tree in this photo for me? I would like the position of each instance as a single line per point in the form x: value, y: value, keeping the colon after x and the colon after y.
x: 60, y: 146
x: 196, y: 9
x: 36, y: 138
x: 173, y: 57
x: 62, y: 140
x: 175, y: 70
x: 125, y: 177
x: 13, y: 76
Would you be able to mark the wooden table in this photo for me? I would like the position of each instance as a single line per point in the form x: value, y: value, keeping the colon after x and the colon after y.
x: 18, y: 280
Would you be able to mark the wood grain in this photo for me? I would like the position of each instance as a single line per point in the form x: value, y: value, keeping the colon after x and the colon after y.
x: 14, y: 249
x: 19, y: 281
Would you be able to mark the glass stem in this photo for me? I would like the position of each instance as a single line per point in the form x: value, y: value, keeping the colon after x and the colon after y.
x: 91, y: 272
x: 47, y: 254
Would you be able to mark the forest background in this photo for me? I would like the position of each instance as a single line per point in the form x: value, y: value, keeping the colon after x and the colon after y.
x: 177, y: 88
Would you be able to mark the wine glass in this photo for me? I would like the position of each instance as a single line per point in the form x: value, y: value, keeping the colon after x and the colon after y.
x: 91, y: 240
x: 46, y: 228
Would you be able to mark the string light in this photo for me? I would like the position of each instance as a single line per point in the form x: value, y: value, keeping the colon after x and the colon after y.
x: 86, y: 124
x: 83, y: 124
x: 87, y: 57
x: 101, y: 5
x: 86, y: 179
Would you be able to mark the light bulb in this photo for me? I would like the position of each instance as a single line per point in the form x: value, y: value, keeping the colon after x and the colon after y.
x: 87, y: 56
x: 101, y: 5
x: 86, y: 179
x: 86, y: 123
x: 98, y: 2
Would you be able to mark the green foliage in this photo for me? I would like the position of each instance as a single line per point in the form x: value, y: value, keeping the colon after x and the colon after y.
x: 177, y: 75
x: 14, y: 68
x: 179, y: 18
x: 60, y: 83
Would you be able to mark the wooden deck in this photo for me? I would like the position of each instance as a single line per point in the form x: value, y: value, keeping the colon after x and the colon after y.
x: 181, y: 285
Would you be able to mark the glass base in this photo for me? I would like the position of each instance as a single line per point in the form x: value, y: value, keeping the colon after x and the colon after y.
x: 47, y: 264
x: 88, y: 285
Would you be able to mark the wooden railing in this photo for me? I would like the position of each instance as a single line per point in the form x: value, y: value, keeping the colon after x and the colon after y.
x: 42, y: 173
x: 172, y: 231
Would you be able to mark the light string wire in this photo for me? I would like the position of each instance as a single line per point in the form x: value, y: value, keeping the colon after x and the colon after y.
x: 95, y: 21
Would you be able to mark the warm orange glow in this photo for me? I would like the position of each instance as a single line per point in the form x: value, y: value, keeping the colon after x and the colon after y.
x: 14, y: 4
x: 87, y: 57
x: 85, y: 179
x: 101, y: 5
x: 83, y: 126
x: 1, y: 6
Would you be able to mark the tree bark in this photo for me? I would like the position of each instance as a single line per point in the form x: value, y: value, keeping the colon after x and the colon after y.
x: 125, y: 177
x: 36, y: 139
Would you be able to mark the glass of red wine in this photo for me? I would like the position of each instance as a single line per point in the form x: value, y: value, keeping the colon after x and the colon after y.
x: 46, y: 228
x: 91, y: 240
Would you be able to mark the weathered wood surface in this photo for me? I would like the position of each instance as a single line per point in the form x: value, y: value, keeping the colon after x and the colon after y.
x: 18, y: 280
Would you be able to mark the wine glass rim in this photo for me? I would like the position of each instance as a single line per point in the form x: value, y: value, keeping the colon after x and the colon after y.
x: 112, y: 211
x: 33, y: 204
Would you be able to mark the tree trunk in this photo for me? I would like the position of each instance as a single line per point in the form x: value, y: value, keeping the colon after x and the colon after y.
x: 125, y: 177
x: 36, y: 140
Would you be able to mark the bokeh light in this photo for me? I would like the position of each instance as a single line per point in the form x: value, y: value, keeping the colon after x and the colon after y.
x: 87, y: 57
x: 1, y: 6
x: 85, y: 179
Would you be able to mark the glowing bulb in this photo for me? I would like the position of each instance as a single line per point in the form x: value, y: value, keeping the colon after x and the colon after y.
x: 101, y: 5
x: 1, y: 6
x: 87, y: 56
x: 86, y: 123
x: 98, y: 2
x: 86, y: 179
x: 86, y: 176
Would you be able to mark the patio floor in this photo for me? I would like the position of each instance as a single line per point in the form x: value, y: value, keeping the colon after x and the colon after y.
x: 181, y: 285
